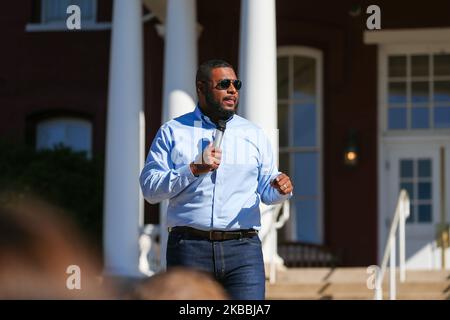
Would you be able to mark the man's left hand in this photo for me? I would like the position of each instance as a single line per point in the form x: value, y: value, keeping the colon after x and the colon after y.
x: 283, y: 184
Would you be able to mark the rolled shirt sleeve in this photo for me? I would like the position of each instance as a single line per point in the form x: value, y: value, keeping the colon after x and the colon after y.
x: 267, y: 172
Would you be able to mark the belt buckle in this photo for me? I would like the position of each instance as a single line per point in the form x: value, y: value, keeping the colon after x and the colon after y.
x: 211, y: 235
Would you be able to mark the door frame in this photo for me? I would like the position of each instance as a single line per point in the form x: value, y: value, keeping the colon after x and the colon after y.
x: 439, y: 136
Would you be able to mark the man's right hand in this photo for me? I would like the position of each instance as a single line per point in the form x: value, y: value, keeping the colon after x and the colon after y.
x: 208, y: 161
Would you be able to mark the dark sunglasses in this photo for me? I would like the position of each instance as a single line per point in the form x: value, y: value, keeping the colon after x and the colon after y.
x: 225, y: 84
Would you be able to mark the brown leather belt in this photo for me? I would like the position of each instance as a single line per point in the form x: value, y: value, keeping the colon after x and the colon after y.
x: 215, y: 235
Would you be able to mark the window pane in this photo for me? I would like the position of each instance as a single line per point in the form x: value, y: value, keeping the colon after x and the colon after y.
x: 73, y: 133
x: 56, y: 10
x: 306, y: 213
x: 306, y: 171
x: 78, y: 136
x: 87, y: 8
x: 442, y: 64
x: 409, y: 187
x: 419, y: 65
x: 442, y: 117
x: 283, y: 77
x: 406, y: 169
x: 305, y: 125
x: 412, y: 210
x: 424, y: 168
x: 424, y: 214
x: 50, y: 134
x: 397, y: 66
x: 284, y: 163
x: 424, y: 190
x: 397, y: 118
x: 442, y: 91
x: 420, y: 92
x: 283, y: 124
x: 304, y: 78
x: 397, y: 92
x: 420, y: 118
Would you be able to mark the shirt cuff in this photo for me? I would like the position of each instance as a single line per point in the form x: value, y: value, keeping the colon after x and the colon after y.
x: 185, y: 172
x: 281, y: 197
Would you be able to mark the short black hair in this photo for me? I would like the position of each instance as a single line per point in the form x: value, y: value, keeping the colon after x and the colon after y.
x: 204, y: 70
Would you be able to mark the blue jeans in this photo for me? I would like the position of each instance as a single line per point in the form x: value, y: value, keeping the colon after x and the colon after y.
x: 236, y: 264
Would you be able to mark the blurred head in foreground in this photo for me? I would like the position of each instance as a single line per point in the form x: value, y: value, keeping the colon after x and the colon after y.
x: 179, y: 283
x: 42, y: 256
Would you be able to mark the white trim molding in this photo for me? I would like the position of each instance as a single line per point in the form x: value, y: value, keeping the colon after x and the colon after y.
x: 401, y: 42
x: 61, y: 27
x: 408, y: 36
x: 89, y: 26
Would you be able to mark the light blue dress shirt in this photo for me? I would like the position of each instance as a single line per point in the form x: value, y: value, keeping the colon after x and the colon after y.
x: 225, y: 199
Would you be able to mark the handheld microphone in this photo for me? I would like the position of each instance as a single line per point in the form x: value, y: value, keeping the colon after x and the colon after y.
x: 221, y: 126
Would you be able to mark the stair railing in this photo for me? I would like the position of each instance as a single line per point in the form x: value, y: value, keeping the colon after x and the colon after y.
x: 398, y: 222
x: 278, y: 221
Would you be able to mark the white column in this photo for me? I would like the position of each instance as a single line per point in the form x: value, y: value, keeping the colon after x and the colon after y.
x: 258, y: 98
x: 257, y: 64
x: 180, y: 58
x: 123, y: 212
x: 180, y: 66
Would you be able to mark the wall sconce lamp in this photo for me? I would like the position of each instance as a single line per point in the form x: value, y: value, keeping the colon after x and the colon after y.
x: 351, y: 151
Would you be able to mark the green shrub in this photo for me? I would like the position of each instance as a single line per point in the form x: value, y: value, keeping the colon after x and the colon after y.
x: 61, y: 177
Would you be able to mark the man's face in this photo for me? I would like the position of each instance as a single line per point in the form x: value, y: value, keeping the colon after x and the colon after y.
x: 221, y: 102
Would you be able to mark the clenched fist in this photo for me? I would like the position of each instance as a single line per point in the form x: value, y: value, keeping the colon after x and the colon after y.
x: 283, y: 184
x: 208, y: 161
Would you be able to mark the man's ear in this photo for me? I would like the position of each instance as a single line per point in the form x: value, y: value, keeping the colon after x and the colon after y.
x: 200, y: 87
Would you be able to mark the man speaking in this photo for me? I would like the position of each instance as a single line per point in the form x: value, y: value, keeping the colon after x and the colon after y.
x: 215, y: 167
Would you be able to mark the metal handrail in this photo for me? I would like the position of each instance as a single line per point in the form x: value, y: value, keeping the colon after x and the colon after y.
x: 277, y: 222
x: 400, y: 216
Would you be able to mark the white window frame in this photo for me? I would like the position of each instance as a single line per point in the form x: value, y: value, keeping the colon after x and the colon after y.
x: 389, y: 42
x: 419, y: 36
x: 89, y: 25
x: 318, y: 56
x: 384, y: 52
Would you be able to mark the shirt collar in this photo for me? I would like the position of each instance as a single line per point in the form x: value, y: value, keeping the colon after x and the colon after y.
x: 200, y: 115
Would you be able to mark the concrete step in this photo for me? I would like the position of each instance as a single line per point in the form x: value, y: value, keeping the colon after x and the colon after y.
x: 353, y: 275
x: 353, y: 296
x: 355, y: 292
x: 351, y: 284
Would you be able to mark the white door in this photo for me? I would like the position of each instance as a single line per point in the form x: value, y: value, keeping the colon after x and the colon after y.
x: 416, y: 167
